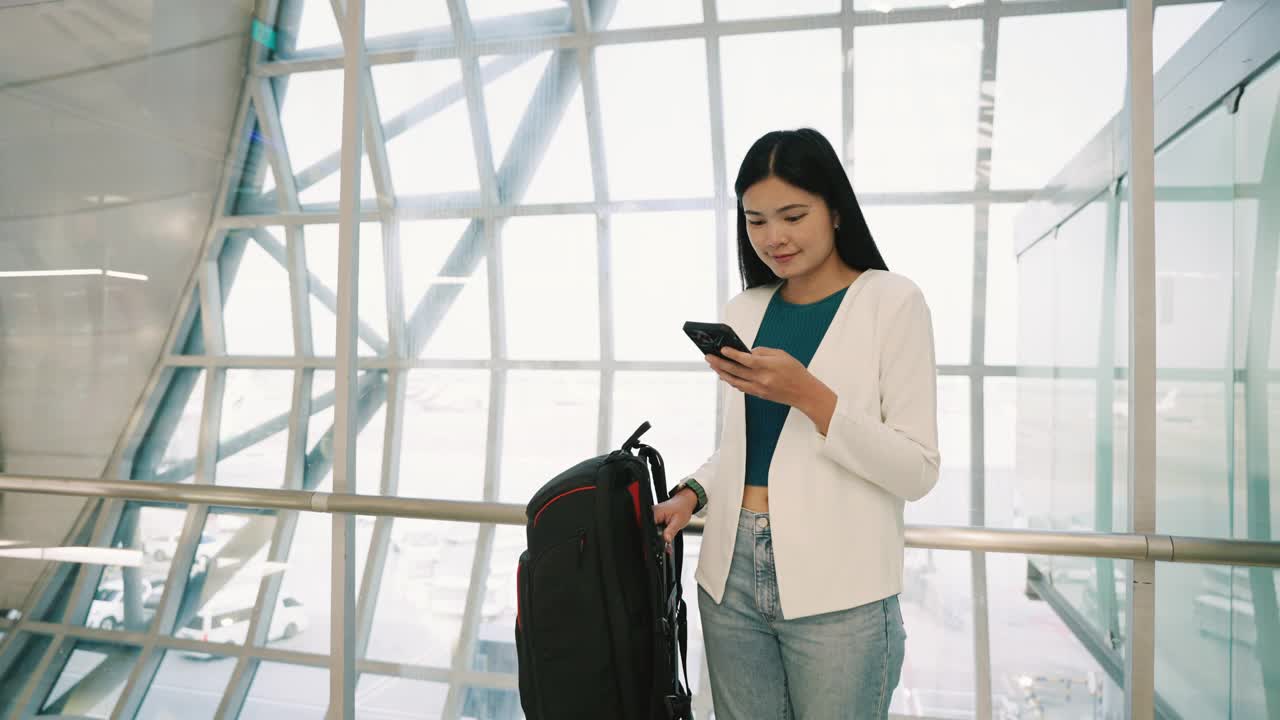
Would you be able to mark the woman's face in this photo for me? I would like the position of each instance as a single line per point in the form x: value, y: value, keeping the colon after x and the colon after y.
x: 790, y: 229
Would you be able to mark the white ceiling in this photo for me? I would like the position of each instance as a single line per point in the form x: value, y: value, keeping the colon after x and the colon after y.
x: 115, y: 117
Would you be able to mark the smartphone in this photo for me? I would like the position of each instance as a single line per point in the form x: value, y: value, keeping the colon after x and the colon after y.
x: 710, y: 337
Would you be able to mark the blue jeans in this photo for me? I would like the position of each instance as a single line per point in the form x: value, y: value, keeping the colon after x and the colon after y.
x: 837, y: 665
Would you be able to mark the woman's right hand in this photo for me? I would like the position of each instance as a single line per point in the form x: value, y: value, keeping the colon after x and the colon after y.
x: 675, y: 513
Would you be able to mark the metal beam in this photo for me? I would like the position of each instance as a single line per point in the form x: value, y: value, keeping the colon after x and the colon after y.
x: 482, y: 147
x: 1139, y: 670
x: 289, y: 256
x: 342, y: 677
x: 583, y: 22
x: 986, y: 93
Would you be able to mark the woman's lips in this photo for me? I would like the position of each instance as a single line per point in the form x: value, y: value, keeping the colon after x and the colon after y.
x: 783, y: 258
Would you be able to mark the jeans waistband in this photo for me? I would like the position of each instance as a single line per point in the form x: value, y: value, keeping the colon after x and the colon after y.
x: 754, y: 522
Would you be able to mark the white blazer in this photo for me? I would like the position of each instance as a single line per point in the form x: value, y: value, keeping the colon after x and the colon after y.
x: 835, y: 502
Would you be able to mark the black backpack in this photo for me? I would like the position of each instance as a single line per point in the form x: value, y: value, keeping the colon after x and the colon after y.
x: 601, y: 627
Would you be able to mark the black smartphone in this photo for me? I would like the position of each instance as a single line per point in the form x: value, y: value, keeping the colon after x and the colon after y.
x: 710, y: 337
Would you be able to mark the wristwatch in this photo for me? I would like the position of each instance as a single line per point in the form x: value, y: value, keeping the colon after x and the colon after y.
x: 698, y: 492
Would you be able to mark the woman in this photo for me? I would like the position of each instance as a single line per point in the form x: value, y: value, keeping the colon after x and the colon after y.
x: 830, y: 427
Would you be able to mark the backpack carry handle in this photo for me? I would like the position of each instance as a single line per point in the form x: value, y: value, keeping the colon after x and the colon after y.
x: 633, y: 442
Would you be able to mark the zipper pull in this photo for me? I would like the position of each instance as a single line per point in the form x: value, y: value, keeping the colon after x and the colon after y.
x: 582, y: 546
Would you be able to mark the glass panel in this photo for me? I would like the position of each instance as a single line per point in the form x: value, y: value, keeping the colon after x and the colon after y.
x: 733, y: 266
x: 370, y: 433
x: 254, y: 440
x: 463, y: 331
x: 507, y: 101
x: 30, y: 651
x: 423, y: 592
x: 185, y: 689
x: 369, y: 442
x: 222, y: 588
x: 1255, y: 655
x: 742, y: 9
x: 1039, y: 668
x: 446, y: 426
x: 1079, y: 264
x: 1196, y: 606
x: 311, y: 117
x: 1074, y: 443
x: 383, y: 697
x: 91, y: 679
x: 287, y: 692
x: 1254, y: 629
x: 491, y: 702
x: 1003, y: 489
x: 654, y: 95
x: 322, y: 262
x: 127, y: 596
x: 1036, y: 306
x: 933, y: 246
x: 487, y: 9
x: 1194, y: 294
x: 256, y: 314
x: 1034, y: 454
x: 168, y: 449
x: 1200, y: 625
x: 445, y: 136
x: 495, y: 648
x: 299, y: 620
x: 317, y: 27
x: 1047, y: 89
x: 1002, y: 286
x: 394, y: 17
x: 779, y: 81
x: 937, y: 612
x: 681, y: 406
x: 948, y: 502
x: 536, y: 252
x: 648, y: 13
x: 564, y: 172
x: 319, y: 445
x: 663, y: 274
x: 1174, y: 25
x: 915, y: 106
x: 888, y: 6
x: 550, y: 425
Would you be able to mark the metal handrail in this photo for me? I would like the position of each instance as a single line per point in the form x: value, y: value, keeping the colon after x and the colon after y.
x: 1125, y: 546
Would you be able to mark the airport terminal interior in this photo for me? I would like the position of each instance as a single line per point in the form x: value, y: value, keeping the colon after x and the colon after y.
x: 246, y: 249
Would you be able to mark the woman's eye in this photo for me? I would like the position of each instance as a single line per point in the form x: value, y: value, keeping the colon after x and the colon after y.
x: 756, y: 223
x: 797, y: 218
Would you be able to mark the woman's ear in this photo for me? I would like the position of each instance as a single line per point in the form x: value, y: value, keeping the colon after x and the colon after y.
x: 835, y: 219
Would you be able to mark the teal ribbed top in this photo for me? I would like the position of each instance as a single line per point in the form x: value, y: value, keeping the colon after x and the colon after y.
x: 797, y: 329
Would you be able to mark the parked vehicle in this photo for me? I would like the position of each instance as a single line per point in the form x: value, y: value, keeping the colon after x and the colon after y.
x: 224, y: 624
x: 162, y: 549
x: 107, y: 609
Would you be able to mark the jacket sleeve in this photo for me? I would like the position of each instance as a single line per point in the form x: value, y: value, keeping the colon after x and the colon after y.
x: 898, y: 450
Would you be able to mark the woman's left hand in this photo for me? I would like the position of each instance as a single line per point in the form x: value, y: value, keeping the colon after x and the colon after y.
x: 769, y: 374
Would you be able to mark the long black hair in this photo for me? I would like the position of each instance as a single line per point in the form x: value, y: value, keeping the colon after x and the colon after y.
x: 805, y: 159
